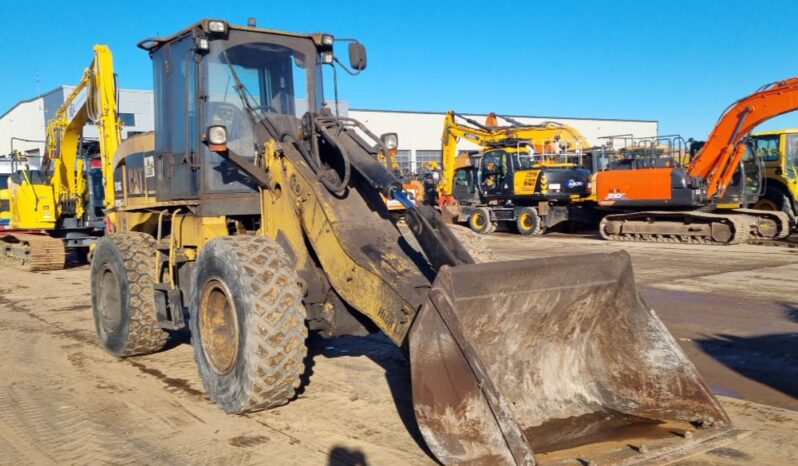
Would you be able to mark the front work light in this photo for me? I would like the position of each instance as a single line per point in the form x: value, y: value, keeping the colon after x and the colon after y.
x: 327, y: 58
x: 217, y: 138
x: 217, y: 27
x: 391, y: 140
x: 327, y: 40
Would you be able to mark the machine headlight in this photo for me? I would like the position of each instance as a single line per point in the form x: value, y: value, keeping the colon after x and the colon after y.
x: 217, y: 27
x: 203, y: 44
x: 327, y: 40
x: 217, y: 135
x: 391, y: 140
x: 327, y: 58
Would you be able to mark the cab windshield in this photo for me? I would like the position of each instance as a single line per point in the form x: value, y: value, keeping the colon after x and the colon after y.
x: 249, y: 79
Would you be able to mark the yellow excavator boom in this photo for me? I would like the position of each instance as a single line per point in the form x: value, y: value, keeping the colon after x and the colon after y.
x: 55, y: 199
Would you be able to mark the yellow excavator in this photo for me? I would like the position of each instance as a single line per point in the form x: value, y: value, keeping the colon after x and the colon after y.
x: 60, y: 206
x: 524, y: 175
x: 253, y: 222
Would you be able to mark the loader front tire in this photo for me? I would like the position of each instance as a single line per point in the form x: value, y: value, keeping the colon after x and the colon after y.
x: 122, y: 295
x: 248, y: 323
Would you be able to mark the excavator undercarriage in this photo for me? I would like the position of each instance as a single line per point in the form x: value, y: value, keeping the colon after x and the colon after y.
x: 32, y: 252
x: 721, y: 227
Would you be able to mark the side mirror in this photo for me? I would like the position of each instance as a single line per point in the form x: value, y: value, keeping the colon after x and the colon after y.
x: 357, y: 56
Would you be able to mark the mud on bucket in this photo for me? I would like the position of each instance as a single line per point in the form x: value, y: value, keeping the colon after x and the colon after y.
x: 551, y: 360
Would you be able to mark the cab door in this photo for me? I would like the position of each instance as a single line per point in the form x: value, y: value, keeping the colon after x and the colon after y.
x: 493, y: 177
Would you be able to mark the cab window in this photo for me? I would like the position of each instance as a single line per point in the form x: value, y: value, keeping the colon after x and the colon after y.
x: 767, y: 147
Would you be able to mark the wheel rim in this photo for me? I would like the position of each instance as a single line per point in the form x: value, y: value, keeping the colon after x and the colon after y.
x: 766, y: 204
x: 110, y: 302
x: 479, y: 222
x: 218, y: 327
x: 527, y: 223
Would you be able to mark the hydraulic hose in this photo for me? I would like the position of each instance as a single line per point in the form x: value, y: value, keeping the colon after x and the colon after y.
x: 324, y: 176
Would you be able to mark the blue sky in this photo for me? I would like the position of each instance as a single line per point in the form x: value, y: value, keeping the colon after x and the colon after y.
x: 679, y: 62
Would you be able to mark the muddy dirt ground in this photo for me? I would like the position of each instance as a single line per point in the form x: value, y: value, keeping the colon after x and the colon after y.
x: 64, y: 400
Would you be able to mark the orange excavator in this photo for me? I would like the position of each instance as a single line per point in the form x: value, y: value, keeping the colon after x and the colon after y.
x: 696, y: 203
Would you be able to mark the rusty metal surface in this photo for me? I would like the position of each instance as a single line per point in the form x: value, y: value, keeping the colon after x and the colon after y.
x: 567, y: 357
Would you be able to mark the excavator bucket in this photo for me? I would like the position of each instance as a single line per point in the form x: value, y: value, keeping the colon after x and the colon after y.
x: 554, y: 361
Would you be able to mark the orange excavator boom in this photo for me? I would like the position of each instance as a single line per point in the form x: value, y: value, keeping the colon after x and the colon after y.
x: 720, y: 156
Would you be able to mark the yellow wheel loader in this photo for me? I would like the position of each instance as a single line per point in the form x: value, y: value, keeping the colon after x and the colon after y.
x: 254, y: 216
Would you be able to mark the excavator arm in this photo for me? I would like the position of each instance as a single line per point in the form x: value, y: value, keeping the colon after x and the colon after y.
x: 92, y: 101
x: 720, y: 156
x: 452, y: 133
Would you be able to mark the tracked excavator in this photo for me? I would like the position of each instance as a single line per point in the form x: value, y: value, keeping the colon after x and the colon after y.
x: 253, y: 220
x: 60, y: 206
x: 524, y: 175
x: 695, y: 203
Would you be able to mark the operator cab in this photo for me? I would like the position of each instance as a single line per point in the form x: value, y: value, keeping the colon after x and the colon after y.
x: 222, y: 89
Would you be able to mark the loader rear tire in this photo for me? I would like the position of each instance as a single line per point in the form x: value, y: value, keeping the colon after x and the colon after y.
x: 473, y: 243
x: 248, y: 323
x: 479, y: 221
x: 122, y: 295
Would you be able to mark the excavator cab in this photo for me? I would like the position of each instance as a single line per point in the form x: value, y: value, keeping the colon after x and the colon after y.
x: 261, y: 213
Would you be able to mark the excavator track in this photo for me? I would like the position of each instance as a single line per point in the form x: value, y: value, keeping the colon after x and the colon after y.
x: 680, y: 227
x: 32, y: 252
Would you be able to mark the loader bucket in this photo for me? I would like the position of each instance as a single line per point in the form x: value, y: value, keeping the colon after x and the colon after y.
x: 554, y: 361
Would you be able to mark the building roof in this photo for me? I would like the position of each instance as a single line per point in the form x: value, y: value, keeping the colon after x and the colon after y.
x: 56, y: 89
x: 548, y: 117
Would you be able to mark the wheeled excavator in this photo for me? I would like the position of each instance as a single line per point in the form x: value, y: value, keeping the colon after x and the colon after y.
x: 60, y: 206
x: 253, y: 220
x: 524, y: 175
x: 695, y: 203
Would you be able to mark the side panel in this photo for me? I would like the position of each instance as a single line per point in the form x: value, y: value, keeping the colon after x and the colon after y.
x: 614, y: 186
x: 525, y: 182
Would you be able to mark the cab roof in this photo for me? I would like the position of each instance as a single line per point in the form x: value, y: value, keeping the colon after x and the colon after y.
x: 775, y: 132
x: 153, y: 43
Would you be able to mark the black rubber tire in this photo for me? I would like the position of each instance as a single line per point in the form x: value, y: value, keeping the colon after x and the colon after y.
x: 473, y: 243
x: 479, y: 221
x: 271, y: 323
x: 129, y: 258
x: 776, y: 199
x: 528, y: 222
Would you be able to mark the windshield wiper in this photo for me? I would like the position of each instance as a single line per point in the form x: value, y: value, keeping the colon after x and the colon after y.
x: 244, y: 95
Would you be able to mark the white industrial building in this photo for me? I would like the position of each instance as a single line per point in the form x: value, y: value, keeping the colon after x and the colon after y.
x: 23, y: 126
x: 419, y: 132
